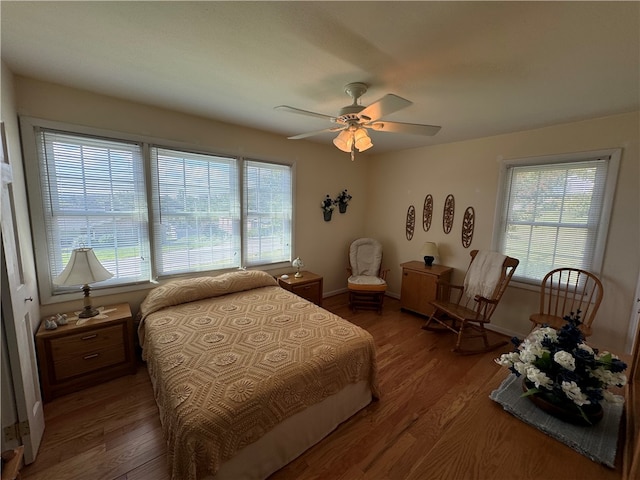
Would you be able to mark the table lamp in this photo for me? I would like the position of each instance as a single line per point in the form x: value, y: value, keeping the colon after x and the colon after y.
x: 298, y: 264
x: 83, y: 268
x: 429, y: 251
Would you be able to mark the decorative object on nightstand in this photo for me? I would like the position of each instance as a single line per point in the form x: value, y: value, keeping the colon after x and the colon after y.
x: 429, y: 251
x: 83, y: 269
x: 297, y: 264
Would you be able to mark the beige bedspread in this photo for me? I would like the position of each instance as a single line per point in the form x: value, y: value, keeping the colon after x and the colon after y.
x: 232, y: 356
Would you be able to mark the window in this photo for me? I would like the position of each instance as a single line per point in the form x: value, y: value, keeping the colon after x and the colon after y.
x: 554, y: 211
x: 198, y: 212
x: 267, y: 213
x: 93, y: 196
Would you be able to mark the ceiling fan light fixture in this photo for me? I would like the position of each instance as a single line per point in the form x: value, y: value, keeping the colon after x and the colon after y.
x: 344, y: 141
x: 362, y: 140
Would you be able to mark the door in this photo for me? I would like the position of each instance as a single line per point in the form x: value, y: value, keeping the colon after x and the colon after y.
x: 634, y: 321
x: 19, y: 311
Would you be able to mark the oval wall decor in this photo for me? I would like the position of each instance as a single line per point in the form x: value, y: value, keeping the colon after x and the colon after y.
x: 447, y: 215
x: 427, y: 213
x: 411, y: 221
x: 468, y: 222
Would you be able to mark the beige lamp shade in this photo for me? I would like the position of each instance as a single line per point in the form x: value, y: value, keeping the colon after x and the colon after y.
x: 343, y: 141
x: 83, y: 268
x: 362, y: 140
x: 429, y: 251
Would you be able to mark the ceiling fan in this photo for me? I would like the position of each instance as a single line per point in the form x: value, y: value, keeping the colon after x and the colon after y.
x: 354, y: 119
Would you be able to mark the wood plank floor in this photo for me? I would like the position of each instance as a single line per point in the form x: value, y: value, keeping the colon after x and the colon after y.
x: 112, y: 431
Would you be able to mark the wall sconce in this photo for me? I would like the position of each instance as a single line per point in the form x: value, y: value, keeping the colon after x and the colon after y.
x: 83, y: 268
x: 429, y: 251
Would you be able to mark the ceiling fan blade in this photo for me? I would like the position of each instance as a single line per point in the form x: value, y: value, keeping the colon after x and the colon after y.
x: 412, y: 128
x: 385, y: 106
x: 317, y: 132
x: 287, y: 108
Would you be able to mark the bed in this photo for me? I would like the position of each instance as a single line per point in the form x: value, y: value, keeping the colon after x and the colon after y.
x: 247, y: 375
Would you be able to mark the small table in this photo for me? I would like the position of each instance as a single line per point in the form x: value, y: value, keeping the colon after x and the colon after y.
x: 308, y: 286
x: 81, y: 354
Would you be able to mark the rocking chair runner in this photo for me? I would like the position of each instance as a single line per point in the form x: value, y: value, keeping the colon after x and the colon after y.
x: 468, y: 307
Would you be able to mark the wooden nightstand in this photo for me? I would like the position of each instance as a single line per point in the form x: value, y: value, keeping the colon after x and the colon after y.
x: 73, y: 357
x: 308, y: 286
x: 420, y: 285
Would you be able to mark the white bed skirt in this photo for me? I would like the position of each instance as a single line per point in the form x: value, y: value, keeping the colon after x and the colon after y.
x: 294, y: 435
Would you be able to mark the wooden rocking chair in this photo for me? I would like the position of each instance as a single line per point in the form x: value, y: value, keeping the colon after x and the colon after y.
x: 461, y: 309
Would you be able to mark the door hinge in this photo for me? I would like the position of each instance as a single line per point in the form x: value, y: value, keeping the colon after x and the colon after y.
x: 16, y: 431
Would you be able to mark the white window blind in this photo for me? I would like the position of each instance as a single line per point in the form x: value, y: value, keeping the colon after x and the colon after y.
x: 94, y: 196
x: 196, y: 211
x: 555, y: 215
x: 267, y: 212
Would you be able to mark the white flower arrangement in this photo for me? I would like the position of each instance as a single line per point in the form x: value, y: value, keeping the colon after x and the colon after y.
x: 328, y: 204
x: 561, y: 367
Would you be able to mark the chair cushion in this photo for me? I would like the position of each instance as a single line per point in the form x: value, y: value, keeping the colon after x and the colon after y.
x: 366, y: 283
x: 365, y: 256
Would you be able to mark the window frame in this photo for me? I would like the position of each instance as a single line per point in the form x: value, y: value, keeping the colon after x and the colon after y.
x: 37, y: 211
x: 504, y: 187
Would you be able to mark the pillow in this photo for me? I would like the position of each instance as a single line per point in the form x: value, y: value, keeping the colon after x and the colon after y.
x: 191, y: 289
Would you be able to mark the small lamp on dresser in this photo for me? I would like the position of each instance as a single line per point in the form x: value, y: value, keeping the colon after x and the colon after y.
x: 429, y: 251
x: 298, y: 264
x: 83, y: 269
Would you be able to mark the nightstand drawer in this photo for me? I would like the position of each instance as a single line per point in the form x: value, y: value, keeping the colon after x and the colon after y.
x: 310, y: 291
x: 76, y: 346
x: 83, y: 363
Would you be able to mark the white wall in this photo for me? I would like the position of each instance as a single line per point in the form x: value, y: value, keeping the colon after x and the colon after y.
x: 469, y: 170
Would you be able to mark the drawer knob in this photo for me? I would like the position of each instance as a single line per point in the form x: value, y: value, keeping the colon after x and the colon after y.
x: 89, y: 337
x: 89, y: 357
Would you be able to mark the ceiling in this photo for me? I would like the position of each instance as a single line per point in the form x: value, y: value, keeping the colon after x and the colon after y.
x: 475, y: 68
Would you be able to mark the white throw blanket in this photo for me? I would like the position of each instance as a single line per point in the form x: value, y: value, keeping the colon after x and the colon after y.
x: 483, y: 274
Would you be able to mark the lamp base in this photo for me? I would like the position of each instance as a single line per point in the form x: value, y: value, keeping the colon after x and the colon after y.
x: 298, y: 274
x: 88, y: 312
x: 428, y: 261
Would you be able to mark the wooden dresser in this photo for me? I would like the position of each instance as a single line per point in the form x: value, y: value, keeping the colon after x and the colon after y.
x: 308, y: 286
x: 74, y: 356
x: 419, y: 285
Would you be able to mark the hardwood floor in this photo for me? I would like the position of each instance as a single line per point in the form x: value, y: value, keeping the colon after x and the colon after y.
x: 421, y: 428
